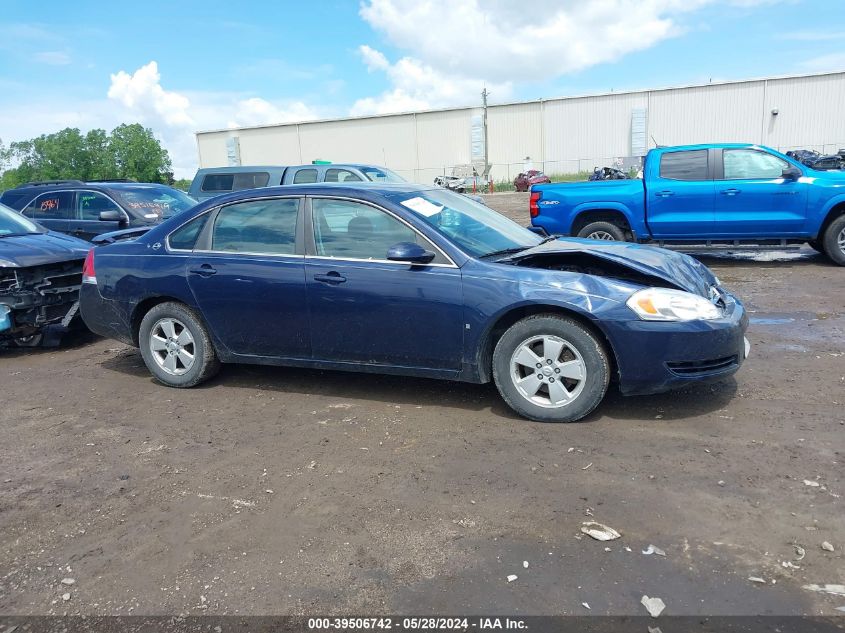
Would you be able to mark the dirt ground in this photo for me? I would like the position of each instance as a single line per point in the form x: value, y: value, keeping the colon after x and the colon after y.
x: 286, y: 491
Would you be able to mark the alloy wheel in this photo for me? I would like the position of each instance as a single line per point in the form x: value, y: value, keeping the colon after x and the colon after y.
x: 172, y: 346
x: 548, y: 371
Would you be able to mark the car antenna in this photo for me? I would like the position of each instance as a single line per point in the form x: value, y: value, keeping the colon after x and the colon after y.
x: 656, y: 144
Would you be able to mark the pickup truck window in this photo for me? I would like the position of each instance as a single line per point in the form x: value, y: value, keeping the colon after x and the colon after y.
x: 691, y: 165
x: 304, y: 176
x: 341, y: 175
x: 742, y: 164
x: 235, y: 182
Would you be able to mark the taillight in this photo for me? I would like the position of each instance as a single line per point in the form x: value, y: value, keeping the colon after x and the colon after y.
x: 88, y: 274
x: 533, y: 205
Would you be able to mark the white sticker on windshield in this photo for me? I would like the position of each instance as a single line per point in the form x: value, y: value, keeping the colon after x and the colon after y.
x: 422, y: 206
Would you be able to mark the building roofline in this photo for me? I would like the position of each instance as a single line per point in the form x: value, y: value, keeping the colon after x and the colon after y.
x: 524, y: 102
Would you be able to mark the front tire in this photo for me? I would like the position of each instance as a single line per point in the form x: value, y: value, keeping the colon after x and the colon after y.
x: 176, y: 347
x: 833, y: 240
x: 603, y: 231
x: 550, y: 368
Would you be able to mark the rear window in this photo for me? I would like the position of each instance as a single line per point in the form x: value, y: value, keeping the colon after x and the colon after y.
x: 236, y: 181
x: 691, y: 165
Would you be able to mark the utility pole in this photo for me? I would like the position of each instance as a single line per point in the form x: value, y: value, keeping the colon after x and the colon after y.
x: 484, y: 95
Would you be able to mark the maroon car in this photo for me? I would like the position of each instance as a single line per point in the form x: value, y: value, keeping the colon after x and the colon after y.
x: 524, y: 180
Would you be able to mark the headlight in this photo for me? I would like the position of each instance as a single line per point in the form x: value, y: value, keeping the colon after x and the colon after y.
x: 663, y: 304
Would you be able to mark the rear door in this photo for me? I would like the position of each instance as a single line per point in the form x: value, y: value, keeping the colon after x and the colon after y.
x: 53, y: 210
x: 752, y: 197
x: 679, y: 196
x: 86, y: 223
x: 247, y: 275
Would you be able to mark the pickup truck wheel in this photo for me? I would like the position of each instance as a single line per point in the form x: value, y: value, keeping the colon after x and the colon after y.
x: 834, y: 240
x: 550, y: 368
x: 603, y: 231
x: 176, y: 347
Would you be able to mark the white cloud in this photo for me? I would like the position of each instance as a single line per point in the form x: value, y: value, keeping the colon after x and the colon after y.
x: 824, y: 63
x: 417, y: 86
x: 175, y: 116
x: 141, y: 93
x: 257, y: 111
x: 814, y: 36
x: 501, y: 40
x: 455, y: 48
x: 53, y: 58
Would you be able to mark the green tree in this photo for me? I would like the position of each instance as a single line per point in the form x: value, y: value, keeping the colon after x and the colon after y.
x: 130, y: 151
x: 138, y: 154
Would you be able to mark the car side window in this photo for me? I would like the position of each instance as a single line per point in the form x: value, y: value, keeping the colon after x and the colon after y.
x: 748, y: 163
x: 55, y: 205
x: 687, y: 165
x: 304, y: 176
x: 351, y: 230
x: 342, y: 175
x: 257, y: 226
x: 90, y: 204
x: 185, y: 237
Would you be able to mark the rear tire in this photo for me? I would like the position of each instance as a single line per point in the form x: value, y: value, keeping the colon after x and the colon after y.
x: 176, y: 347
x: 607, y: 231
x: 833, y: 240
x: 572, y: 376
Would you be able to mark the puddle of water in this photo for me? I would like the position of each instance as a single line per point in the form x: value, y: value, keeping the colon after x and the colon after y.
x: 768, y: 321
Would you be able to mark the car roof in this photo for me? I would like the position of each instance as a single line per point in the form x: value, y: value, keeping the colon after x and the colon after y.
x: 369, y: 189
x: 674, y: 148
x: 36, y: 187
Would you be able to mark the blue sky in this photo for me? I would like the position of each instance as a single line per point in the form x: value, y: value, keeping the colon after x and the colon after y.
x: 180, y: 66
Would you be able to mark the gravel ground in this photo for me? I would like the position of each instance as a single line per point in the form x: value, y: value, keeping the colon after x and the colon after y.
x: 285, y: 491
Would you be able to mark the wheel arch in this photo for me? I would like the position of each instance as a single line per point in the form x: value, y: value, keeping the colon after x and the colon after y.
x: 491, y: 336
x: 614, y: 215
x: 148, y: 304
x: 837, y: 209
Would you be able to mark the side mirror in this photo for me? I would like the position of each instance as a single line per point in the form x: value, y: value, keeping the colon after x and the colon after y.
x: 791, y: 173
x: 111, y: 216
x: 409, y: 252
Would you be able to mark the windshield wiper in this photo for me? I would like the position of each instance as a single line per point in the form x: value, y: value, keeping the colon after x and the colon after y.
x: 503, y: 252
x: 550, y: 238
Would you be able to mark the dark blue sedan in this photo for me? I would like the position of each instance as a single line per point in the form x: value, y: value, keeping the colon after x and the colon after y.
x: 404, y: 279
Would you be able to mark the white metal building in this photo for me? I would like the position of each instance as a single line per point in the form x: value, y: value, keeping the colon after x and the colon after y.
x: 561, y: 135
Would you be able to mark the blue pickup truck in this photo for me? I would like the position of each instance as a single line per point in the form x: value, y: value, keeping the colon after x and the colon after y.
x: 715, y: 194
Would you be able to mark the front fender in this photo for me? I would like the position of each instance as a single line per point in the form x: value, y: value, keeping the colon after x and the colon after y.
x: 826, y: 209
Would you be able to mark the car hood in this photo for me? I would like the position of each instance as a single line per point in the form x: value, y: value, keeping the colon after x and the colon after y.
x: 677, y: 269
x: 23, y: 251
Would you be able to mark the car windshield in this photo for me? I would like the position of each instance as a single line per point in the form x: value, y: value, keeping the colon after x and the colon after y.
x: 380, y: 174
x: 13, y: 223
x: 154, y: 201
x: 477, y: 229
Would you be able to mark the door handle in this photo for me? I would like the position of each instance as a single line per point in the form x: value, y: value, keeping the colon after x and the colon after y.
x: 330, y: 278
x: 206, y: 270
x: 664, y: 194
x: 730, y: 192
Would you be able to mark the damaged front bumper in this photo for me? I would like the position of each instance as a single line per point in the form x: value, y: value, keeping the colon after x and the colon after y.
x: 38, y: 298
x: 654, y: 356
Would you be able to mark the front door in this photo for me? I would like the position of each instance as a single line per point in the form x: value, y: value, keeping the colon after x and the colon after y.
x: 247, y: 275
x: 679, y: 197
x: 365, y: 309
x: 754, y: 200
x: 86, y: 223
